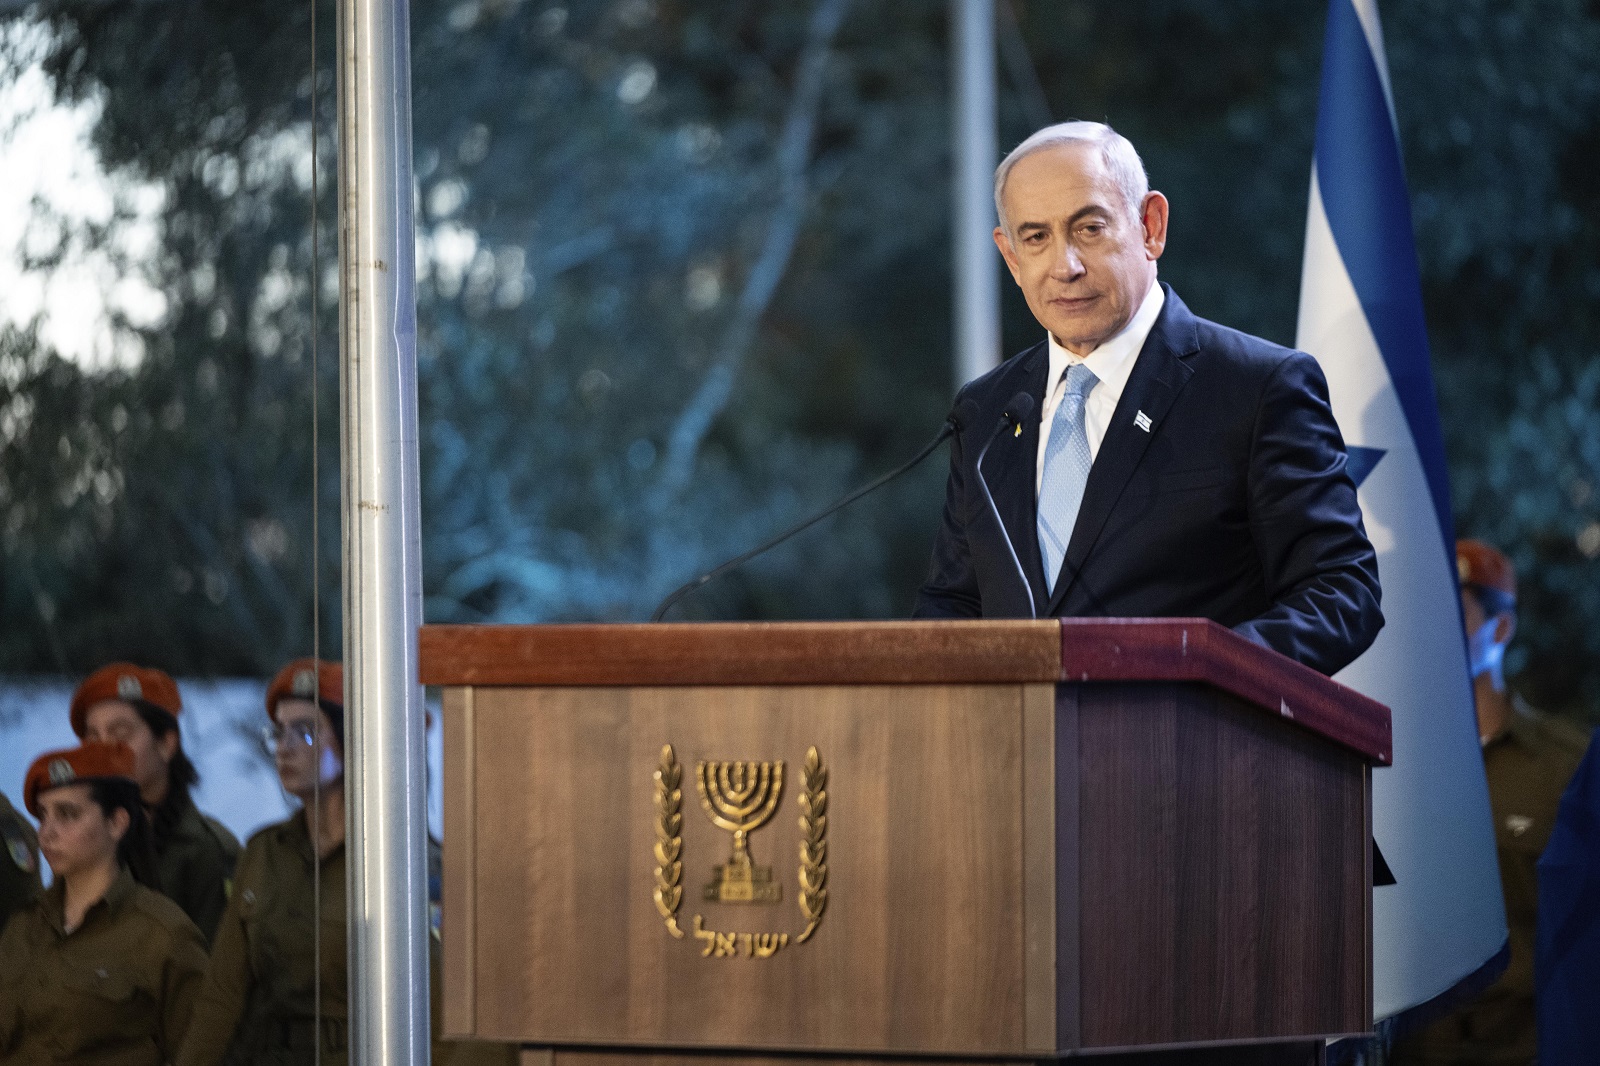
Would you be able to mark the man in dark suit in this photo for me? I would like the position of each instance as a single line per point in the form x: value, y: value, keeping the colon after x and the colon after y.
x: 1169, y: 466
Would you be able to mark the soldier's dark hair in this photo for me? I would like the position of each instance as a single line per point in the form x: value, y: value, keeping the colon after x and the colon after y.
x: 335, y: 715
x: 136, y: 850
x: 1493, y: 601
x: 181, y: 772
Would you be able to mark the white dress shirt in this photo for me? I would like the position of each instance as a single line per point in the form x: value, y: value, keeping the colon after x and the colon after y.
x: 1112, y: 362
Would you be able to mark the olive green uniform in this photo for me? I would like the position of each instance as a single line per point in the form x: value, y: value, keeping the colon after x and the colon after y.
x: 119, y: 989
x: 1528, y: 767
x: 259, y: 1005
x: 195, y: 858
x: 19, y: 862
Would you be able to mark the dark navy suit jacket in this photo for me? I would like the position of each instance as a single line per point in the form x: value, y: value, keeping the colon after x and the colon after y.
x: 1234, y: 505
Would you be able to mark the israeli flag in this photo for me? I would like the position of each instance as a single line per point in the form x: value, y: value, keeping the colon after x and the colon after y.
x: 1441, y: 930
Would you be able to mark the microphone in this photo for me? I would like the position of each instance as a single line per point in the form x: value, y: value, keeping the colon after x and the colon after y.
x: 954, y: 422
x: 1016, y: 412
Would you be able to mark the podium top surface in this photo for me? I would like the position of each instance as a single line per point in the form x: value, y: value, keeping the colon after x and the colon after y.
x: 1074, y: 650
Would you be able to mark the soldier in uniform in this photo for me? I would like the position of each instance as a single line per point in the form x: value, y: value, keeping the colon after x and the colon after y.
x: 284, y: 929
x: 1529, y: 757
x: 195, y: 855
x: 19, y: 866
x: 100, y: 969
x: 286, y: 921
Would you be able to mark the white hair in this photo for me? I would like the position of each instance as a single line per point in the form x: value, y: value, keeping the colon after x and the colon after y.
x: 1121, y: 159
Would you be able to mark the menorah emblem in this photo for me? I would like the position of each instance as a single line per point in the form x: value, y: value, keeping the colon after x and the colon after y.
x: 740, y: 797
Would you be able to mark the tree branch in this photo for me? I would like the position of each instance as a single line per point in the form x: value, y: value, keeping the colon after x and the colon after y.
x: 783, y: 231
x: 1019, y: 65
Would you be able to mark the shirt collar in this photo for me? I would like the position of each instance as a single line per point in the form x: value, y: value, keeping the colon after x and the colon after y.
x: 1112, y: 361
x: 54, y: 900
x: 295, y: 832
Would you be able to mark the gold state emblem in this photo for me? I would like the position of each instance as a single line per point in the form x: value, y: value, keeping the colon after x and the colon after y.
x: 741, y: 797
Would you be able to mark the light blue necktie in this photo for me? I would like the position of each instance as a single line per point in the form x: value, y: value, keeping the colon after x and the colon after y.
x: 1066, y: 472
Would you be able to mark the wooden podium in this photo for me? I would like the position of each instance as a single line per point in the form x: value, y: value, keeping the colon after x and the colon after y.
x: 979, y: 841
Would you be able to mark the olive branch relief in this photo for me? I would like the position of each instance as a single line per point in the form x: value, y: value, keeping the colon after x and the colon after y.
x: 669, y: 839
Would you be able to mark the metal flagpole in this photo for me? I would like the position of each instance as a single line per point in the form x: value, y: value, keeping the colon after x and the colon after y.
x: 977, y: 263
x: 384, y: 766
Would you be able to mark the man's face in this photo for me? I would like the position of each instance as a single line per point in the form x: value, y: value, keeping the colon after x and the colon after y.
x: 116, y: 722
x: 1083, y: 261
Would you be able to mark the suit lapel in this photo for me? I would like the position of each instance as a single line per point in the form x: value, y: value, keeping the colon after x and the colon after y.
x: 1011, y: 470
x: 1159, y: 372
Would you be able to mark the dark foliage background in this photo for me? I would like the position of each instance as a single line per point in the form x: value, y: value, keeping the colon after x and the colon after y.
x: 684, y: 277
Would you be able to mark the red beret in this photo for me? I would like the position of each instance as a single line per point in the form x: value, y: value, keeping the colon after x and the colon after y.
x: 307, y: 679
x: 1479, y: 564
x: 124, y: 681
x: 72, y: 765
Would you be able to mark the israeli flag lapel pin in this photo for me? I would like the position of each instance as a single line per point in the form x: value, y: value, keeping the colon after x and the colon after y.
x: 1142, y: 420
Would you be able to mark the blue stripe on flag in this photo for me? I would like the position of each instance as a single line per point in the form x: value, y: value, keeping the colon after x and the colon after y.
x: 1364, y: 194
x: 1362, y: 462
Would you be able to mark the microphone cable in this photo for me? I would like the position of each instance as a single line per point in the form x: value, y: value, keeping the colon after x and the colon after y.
x: 952, y: 425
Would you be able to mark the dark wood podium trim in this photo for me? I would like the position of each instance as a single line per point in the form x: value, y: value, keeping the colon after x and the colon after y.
x: 743, y: 653
x: 1197, y: 649
x: 890, y: 653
